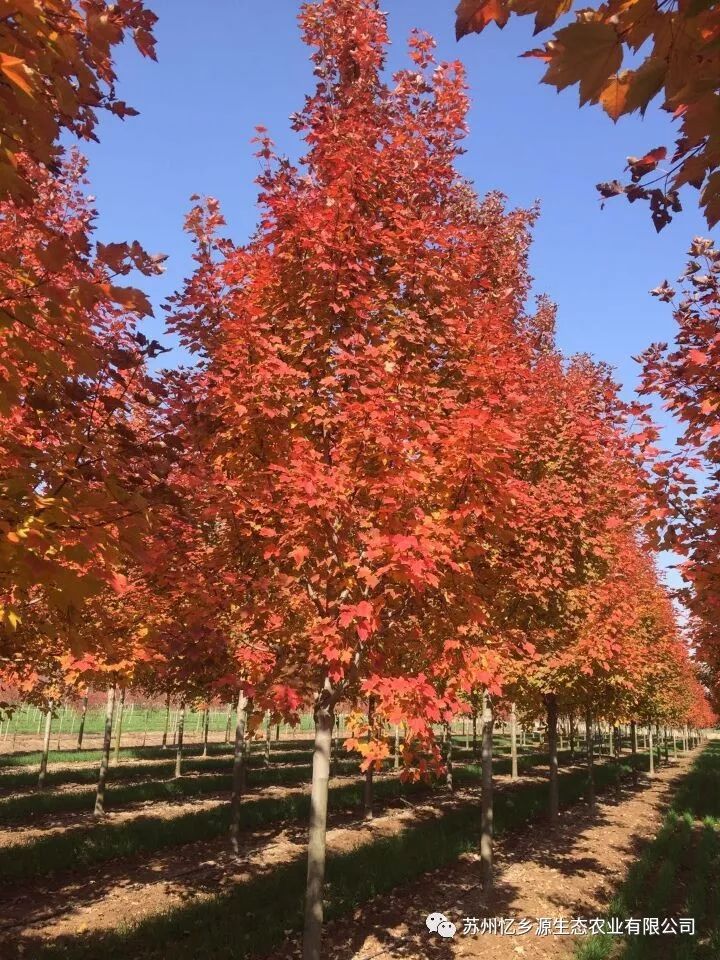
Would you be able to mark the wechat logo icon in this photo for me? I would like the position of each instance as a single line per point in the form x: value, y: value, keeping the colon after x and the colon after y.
x: 438, y: 923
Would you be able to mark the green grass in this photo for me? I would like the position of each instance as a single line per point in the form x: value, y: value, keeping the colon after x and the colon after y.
x: 676, y: 875
x: 32, y: 758
x: 83, y: 845
x: 19, y: 809
x: 155, y: 781
x: 79, y: 848
x: 251, y: 917
x: 27, y: 779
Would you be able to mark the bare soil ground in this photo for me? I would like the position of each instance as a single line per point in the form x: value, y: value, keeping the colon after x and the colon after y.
x: 572, y: 873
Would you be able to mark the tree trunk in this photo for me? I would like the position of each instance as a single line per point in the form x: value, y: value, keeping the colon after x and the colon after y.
x: 368, y: 787
x: 81, y: 728
x: 396, y: 755
x: 448, y: 759
x: 42, y: 775
x: 633, y: 748
x: 486, y: 799
x: 238, y: 784
x: 616, y: 741
x: 665, y: 745
x: 651, y: 750
x: 474, y: 731
x: 167, y: 722
x: 277, y: 732
x: 145, y: 726
x: 658, y: 741
x: 513, y: 743
x: 590, y: 750
x: 267, y: 738
x: 552, y: 716
x: 312, y: 935
x: 105, y: 759
x: 571, y: 722
x: 206, y: 730
x: 118, y: 732
x: 675, y: 749
x: 180, y: 734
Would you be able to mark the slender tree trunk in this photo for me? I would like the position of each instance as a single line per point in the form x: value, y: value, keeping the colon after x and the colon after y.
x: 474, y: 735
x: 277, y: 732
x: 651, y: 750
x: 449, y: 759
x: 118, y: 732
x: 571, y: 721
x: 674, y: 739
x: 180, y: 734
x: 368, y: 789
x: 81, y: 728
x: 665, y: 745
x: 238, y: 785
x: 616, y: 742
x: 552, y: 716
x: 267, y: 738
x: 396, y: 755
x: 486, y: 799
x: 105, y: 759
x: 312, y: 936
x: 206, y: 730
x: 167, y: 722
x: 658, y: 741
x: 145, y: 726
x: 42, y: 775
x: 513, y: 743
x: 590, y: 750
x: 633, y: 748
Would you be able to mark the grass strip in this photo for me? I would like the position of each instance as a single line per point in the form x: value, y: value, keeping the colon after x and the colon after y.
x: 31, y: 758
x: 25, y: 779
x: 118, y: 795
x: 154, y: 786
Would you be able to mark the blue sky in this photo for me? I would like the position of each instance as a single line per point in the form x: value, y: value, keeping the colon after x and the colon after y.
x: 240, y: 63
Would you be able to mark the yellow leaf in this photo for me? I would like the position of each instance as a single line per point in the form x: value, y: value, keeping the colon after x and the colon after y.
x: 16, y: 71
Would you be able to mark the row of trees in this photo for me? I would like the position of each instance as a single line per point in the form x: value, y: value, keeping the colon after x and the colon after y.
x: 381, y: 482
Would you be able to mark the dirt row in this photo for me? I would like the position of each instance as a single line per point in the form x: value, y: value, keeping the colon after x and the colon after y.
x: 572, y: 873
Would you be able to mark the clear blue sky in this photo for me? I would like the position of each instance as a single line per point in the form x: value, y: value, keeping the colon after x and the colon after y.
x: 227, y: 65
